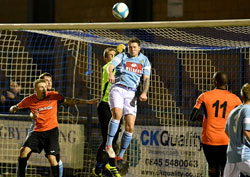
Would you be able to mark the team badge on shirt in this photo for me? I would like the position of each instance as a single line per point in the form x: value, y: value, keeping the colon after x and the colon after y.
x: 134, y: 67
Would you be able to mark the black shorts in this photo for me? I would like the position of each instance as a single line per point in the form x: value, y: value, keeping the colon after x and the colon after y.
x: 47, y: 140
x: 216, y: 155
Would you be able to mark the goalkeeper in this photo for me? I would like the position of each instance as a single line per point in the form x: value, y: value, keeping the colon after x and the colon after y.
x: 104, y: 113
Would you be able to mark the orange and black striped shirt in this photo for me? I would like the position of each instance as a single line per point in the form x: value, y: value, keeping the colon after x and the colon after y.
x: 217, y: 105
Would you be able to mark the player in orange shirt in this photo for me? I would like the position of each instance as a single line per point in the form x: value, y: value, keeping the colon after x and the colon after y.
x: 43, y: 106
x: 216, y: 105
x: 48, y: 78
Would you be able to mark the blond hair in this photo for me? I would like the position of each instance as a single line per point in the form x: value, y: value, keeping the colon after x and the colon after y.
x: 38, y: 81
x: 245, y: 92
x: 105, y: 52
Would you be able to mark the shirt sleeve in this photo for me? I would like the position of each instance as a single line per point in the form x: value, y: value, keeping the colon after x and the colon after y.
x: 25, y: 103
x: 227, y: 124
x: 246, y: 118
x: 117, y: 59
x: 199, y: 101
x: 57, y: 96
x: 147, y: 68
x: 238, y: 101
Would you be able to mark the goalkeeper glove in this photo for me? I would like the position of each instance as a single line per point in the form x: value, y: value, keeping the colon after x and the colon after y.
x: 120, y: 48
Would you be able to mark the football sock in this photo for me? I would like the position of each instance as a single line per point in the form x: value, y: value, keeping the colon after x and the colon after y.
x: 98, y: 168
x: 112, y: 162
x: 112, y: 129
x: 126, y: 139
x: 60, y: 168
x: 22, y: 163
x: 55, y: 170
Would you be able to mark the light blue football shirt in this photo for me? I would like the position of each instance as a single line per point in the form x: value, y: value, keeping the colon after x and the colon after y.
x: 130, y: 69
x: 238, y: 120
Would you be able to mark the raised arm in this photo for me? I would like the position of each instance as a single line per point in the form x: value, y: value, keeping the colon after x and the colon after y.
x: 75, y: 101
x: 120, y: 48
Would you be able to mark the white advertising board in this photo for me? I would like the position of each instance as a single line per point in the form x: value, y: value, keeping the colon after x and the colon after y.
x: 71, y: 139
x: 166, y: 151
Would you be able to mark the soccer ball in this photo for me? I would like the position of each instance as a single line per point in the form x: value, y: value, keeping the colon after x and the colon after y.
x: 120, y: 10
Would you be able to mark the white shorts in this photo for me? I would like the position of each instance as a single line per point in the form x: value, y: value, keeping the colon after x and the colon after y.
x: 121, y: 97
x: 234, y: 169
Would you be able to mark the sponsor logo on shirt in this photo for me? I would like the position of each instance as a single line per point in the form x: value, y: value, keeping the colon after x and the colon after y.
x: 134, y: 67
x: 45, y: 108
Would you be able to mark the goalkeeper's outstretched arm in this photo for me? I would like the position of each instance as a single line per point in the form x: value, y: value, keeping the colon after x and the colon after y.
x: 75, y: 101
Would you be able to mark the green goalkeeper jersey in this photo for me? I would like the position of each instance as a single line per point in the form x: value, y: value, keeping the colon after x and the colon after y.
x: 105, y: 83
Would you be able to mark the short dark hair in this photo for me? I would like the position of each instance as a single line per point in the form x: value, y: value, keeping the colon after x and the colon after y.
x: 221, y: 78
x: 134, y: 40
x: 38, y: 81
x: 45, y: 74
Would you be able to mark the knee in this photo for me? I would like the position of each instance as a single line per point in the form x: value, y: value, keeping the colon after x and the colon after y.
x: 116, y: 116
x: 24, y: 151
x: 129, y: 128
x: 116, y: 113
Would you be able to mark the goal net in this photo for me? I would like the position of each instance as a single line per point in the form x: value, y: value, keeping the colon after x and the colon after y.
x: 184, y: 56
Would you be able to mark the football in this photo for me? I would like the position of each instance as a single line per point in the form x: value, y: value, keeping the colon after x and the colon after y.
x: 120, y: 10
